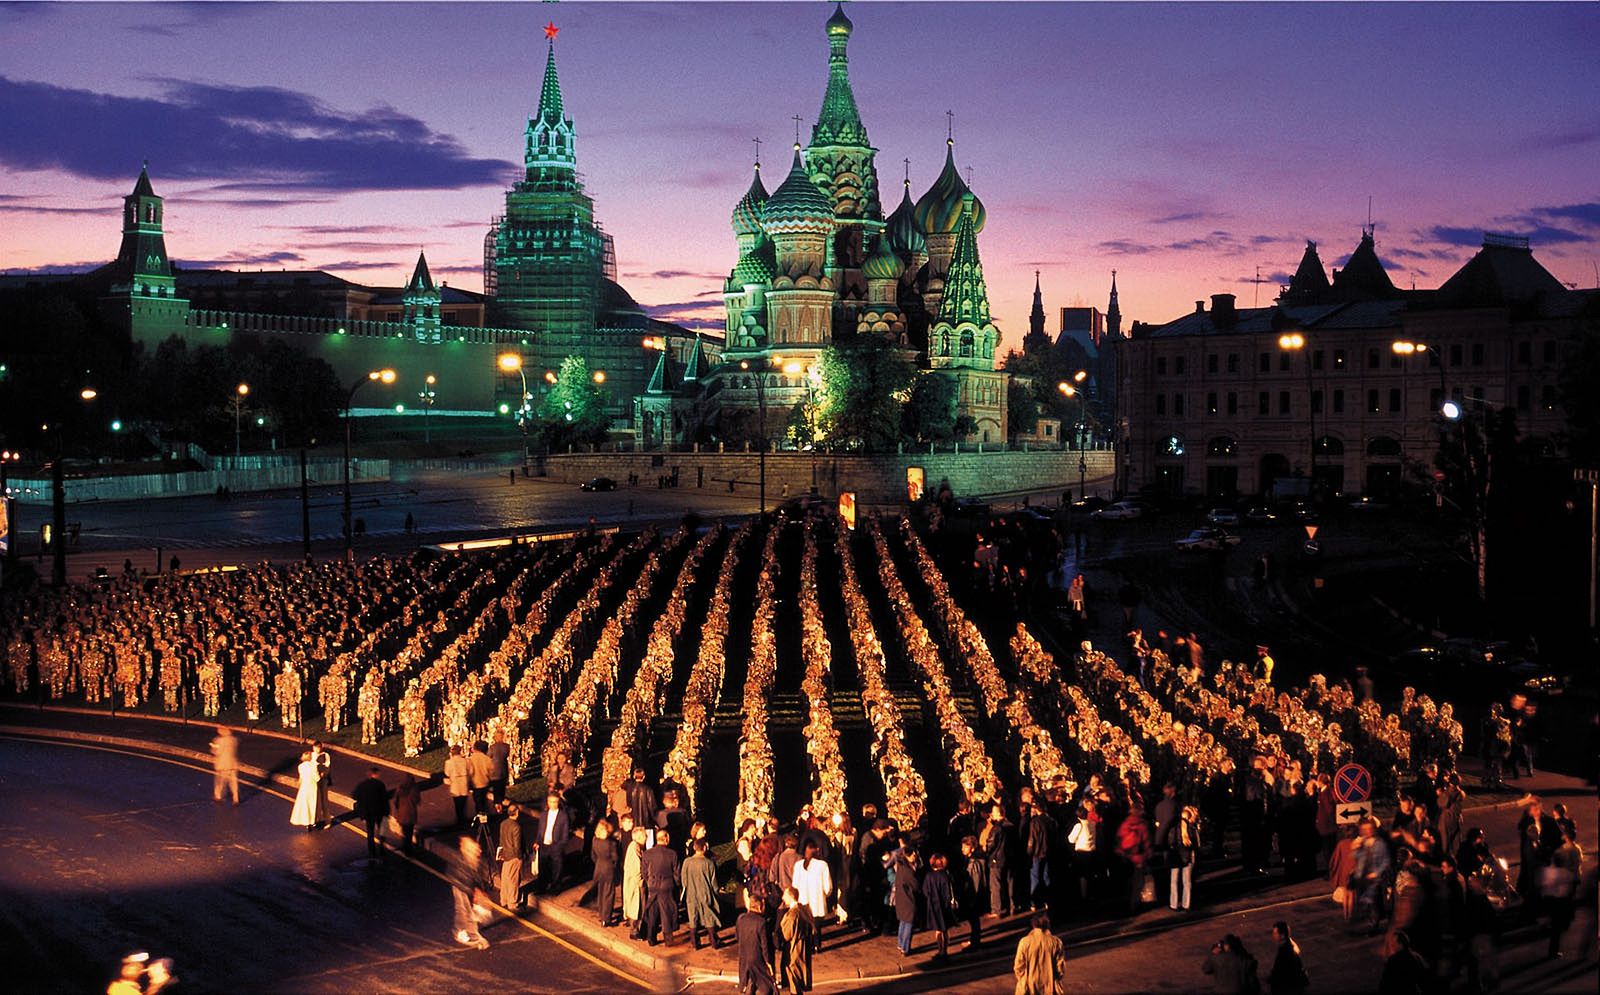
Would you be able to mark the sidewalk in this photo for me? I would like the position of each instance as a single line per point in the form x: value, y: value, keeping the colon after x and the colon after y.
x: 847, y: 958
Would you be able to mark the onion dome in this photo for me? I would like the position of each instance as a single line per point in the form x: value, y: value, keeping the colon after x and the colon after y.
x: 939, y: 210
x: 883, y: 264
x: 797, y: 204
x: 902, y: 231
x: 747, y: 213
x: 839, y: 24
x: 757, y: 266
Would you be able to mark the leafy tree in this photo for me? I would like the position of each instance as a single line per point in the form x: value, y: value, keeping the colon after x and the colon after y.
x: 1022, y: 407
x: 930, y: 412
x: 574, y: 411
x: 864, y: 380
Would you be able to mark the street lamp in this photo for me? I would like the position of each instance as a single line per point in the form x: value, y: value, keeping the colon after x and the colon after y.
x: 384, y: 377
x: 761, y: 402
x: 426, y: 396
x: 58, y: 499
x: 1069, y: 390
x: 510, y: 362
x: 239, y: 394
x: 7, y: 457
x: 1296, y: 342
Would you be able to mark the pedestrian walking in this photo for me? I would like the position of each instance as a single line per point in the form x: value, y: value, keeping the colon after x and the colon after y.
x: 407, y: 804
x: 798, y: 928
x: 700, y: 895
x: 1040, y: 965
x: 467, y: 886
x: 1288, y: 975
x: 755, y: 949
x: 1182, y: 853
x: 371, y: 798
x: 458, y: 777
x: 603, y: 852
x: 1232, y: 969
x: 939, y: 903
x: 225, y: 764
x: 304, y: 812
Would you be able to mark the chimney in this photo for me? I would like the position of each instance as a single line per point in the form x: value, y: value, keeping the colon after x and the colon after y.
x: 1222, y: 312
x: 1199, y: 307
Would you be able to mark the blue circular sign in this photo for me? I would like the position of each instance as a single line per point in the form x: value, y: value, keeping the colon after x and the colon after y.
x: 1353, y: 783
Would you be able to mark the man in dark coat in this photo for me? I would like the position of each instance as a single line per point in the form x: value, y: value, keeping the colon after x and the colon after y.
x: 513, y: 849
x: 870, y: 851
x: 700, y: 895
x: 1038, y: 832
x: 554, y: 829
x: 372, y: 807
x: 755, y: 950
x: 995, y: 841
x: 662, y: 875
x: 906, y: 890
x: 641, y: 800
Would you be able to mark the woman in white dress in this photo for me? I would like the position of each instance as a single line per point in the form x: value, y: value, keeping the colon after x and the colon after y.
x: 814, y: 882
x: 305, y: 800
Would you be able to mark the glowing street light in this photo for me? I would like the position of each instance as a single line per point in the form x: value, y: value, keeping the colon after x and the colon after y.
x: 239, y: 394
x: 1296, y: 342
x: 386, y: 377
x: 1450, y: 410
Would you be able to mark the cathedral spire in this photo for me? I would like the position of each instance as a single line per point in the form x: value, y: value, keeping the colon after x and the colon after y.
x: 1036, y: 337
x: 421, y: 280
x: 550, y: 93
x: 839, y: 122
x: 551, y: 156
x: 1113, y: 311
x: 966, y: 297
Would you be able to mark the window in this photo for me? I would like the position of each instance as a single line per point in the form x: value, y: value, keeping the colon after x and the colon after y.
x: 1549, y: 351
x: 1394, y: 360
x: 1264, y: 361
x: 1316, y: 359
x: 1329, y: 446
x: 1338, y: 402
x: 1394, y: 400
x: 1283, y: 362
x: 1283, y: 402
x: 1524, y: 397
x: 1211, y: 362
x: 1233, y: 403
x: 1372, y: 401
x: 1316, y: 402
x: 1477, y: 354
x: 1455, y: 355
x: 1338, y: 359
x: 1372, y: 359
x: 1263, y: 403
x: 1435, y: 399
x: 1525, y: 352
x: 1233, y: 362
x: 1161, y: 404
x: 1161, y: 366
x: 1177, y: 365
x: 1211, y: 400
x: 1177, y: 404
x: 1547, y: 397
x: 1222, y: 446
x: 1383, y: 445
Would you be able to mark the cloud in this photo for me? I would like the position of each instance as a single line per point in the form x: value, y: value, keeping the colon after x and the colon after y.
x: 1183, y: 216
x: 389, y: 247
x: 319, y: 230
x: 170, y: 20
x: 1587, y: 215
x: 256, y: 139
x: 1470, y: 238
x: 1535, y: 232
x: 684, y: 308
x: 41, y: 209
x: 1277, y: 277
x: 670, y: 274
x: 474, y: 268
x: 357, y: 264
x: 244, y: 260
x: 1123, y: 247
x: 47, y: 268
x: 1566, y: 138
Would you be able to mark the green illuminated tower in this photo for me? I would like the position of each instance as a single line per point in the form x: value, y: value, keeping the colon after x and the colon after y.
x: 421, y: 300
x: 143, y: 294
x: 548, y: 250
x: 799, y: 220
x: 962, y: 342
x: 938, y: 213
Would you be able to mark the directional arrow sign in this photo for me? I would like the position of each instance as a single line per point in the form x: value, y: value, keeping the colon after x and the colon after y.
x: 1353, y: 813
x: 1352, y: 783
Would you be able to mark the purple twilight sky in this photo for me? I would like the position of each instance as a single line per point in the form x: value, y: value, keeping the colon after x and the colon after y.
x: 1183, y: 146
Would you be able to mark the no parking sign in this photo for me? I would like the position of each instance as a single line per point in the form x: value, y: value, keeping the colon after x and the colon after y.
x: 1352, y: 790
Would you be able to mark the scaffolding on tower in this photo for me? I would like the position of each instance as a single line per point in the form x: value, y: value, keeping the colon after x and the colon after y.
x: 491, y: 280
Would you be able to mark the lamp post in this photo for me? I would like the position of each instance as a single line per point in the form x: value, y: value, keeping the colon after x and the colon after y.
x: 510, y: 362
x: 58, y: 499
x: 427, y: 396
x: 813, y: 375
x: 1072, y: 390
x: 761, y: 403
x: 1478, y: 483
x: 239, y: 394
x: 376, y: 376
x: 1296, y: 342
x: 7, y: 457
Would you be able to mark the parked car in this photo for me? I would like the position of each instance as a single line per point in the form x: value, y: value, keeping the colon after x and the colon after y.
x: 1207, y: 541
x: 1119, y: 511
x: 1091, y: 504
x: 1302, y: 511
x: 1259, y: 514
x: 1494, y: 666
x: 598, y: 484
x: 1222, y: 516
x: 1366, y: 502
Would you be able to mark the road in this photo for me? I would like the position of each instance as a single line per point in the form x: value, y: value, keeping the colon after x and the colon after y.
x: 110, y: 852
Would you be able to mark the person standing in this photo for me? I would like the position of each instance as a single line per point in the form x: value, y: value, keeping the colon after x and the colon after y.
x: 906, y: 891
x: 662, y: 877
x: 324, y: 761
x: 1040, y: 965
x: 554, y: 828
x: 1231, y: 967
x: 798, y: 929
x: 407, y: 803
x: 304, y: 812
x: 641, y: 800
x: 995, y: 839
x: 513, y: 852
x: 1133, y: 848
x: 499, y: 766
x: 938, y: 903
x: 603, y: 851
x: 1288, y: 975
x: 633, y: 880
x: 479, y: 767
x: 755, y: 949
x: 1451, y: 803
x: 466, y: 879
x: 371, y: 798
x: 458, y: 776
x: 813, y: 879
x: 1039, y: 830
x: 700, y: 895
x: 225, y: 764
x: 970, y: 884
x: 1182, y: 854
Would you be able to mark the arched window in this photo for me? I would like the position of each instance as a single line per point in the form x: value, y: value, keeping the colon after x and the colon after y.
x: 1222, y: 446
x: 1384, y: 446
x: 1329, y: 446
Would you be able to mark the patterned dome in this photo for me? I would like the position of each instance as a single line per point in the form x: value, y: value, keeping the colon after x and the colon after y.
x: 797, y: 204
x: 839, y: 24
x: 883, y: 264
x: 747, y: 213
x: 902, y: 231
x: 939, y: 210
x: 758, y: 266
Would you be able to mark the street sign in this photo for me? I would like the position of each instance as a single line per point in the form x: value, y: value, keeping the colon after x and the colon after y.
x: 1311, y: 532
x: 1353, y: 812
x: 1352, y: 784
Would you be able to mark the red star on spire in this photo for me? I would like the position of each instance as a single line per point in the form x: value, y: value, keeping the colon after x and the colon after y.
x: 550, y: 30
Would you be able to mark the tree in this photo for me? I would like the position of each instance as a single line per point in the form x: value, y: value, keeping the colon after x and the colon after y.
x: 864, y: 380
x: 930, y: 412
x: 1022, y: 407
x: 574, y: 411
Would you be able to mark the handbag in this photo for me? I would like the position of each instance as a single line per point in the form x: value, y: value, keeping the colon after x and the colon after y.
x: 1147, y: 891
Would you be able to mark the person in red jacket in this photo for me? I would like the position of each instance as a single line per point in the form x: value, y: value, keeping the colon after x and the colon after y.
x: 1133, y: 847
